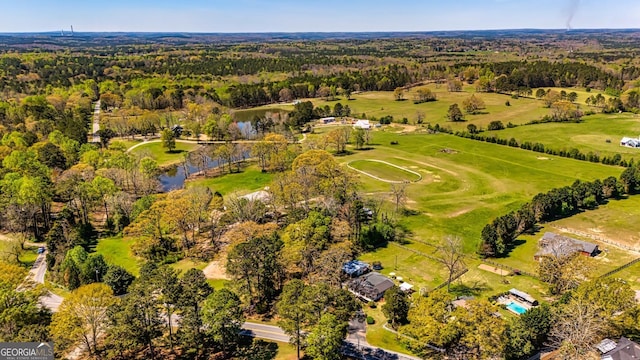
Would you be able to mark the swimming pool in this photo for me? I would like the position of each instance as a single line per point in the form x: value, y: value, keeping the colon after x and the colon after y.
x: 517, y: 308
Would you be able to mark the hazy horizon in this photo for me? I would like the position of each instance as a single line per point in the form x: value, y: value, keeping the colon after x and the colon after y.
x: 289, y: 16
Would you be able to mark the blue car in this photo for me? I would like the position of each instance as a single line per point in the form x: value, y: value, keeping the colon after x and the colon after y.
x: 41, y: 250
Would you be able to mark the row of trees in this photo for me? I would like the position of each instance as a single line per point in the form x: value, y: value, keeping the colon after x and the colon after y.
x: 572, y: 153
x: 497, y: 237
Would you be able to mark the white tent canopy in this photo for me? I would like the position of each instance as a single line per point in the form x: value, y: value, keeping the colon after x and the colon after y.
x: 406, y: 287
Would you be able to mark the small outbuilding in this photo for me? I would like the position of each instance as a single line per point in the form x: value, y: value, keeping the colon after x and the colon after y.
x: 406, y: 287
x: 328, y: 120
x: 523, y: 297
x: 355, y: 268
x: 362, y: 124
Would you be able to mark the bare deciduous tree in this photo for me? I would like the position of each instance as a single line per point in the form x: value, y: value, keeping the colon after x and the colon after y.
x: 576, y: 330
x: 450, y: 255
x: 399, y: 192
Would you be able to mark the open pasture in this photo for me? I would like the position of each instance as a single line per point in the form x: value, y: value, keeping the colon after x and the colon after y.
x: 600, y: 133
x: 467, y: 183
x: 464, y: 185
x: 381, y: 103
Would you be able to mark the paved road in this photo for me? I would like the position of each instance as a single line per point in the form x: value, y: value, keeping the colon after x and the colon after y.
x: 96, y: 122
x: 50, y: 301
x: 355, y: 345
x: 263, y: 331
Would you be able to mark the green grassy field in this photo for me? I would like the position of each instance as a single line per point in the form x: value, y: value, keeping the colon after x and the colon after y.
x: 615, y: 222
x: 590, y: 135
x: 249, y: 180
x: 160, y: 154
x: 117, y: 251
x: 378, y: 336
x: 286, y: 351
x: 471, y: 183
x: 127, y: 142
x: 384, y: 171
x: 463, y: 189
x: 381, y: 103
x: 583, y: 94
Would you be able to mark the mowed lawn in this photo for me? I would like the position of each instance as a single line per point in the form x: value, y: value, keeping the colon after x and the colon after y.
x: 384, y: 171
x: 249, y: 180
x: 600, y: 134
x: 117, y: 251
x: 161, y: 155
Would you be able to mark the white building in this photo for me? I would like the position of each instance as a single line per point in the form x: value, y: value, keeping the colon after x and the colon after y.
x: 327, y: 120
x: 362, y: 124
x: 630, y: 142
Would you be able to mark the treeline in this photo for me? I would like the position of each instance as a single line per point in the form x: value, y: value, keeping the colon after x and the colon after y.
x: 62, y: 70
x: 385, y: 78
x: 498, y: 236
x: 572, y: 153
x: 514, y: 75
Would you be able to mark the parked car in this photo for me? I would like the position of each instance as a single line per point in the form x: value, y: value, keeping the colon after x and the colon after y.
x: 41, y: 250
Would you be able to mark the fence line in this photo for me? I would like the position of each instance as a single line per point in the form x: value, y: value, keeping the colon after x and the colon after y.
x: 635, y: 249
x: 514, y: 270
x: 416, y: 251
x: 620, y: 268
x: 453, y: 278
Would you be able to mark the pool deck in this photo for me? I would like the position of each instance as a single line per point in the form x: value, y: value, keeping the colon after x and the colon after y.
x: 506, y: 300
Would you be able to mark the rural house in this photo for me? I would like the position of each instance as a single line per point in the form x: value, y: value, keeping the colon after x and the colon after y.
x: 625, y: 349
x: 370, y: 287
x: 558, y: 245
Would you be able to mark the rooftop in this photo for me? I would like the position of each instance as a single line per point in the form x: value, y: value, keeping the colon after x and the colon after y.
x: 559, y: 245
x: 523, y: 295
x: 355, y: 267
x: 624, y: 350
x: 371, y: 286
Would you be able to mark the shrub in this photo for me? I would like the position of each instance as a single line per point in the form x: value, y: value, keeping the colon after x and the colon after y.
x: 370, y: 320
x: 495, y: 125
x: 371, y: 304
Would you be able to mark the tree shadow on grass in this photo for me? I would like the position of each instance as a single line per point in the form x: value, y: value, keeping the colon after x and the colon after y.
x: 344, y: 153
x: 175, y: 151
x: 474, y: 289
x: 512, y: 246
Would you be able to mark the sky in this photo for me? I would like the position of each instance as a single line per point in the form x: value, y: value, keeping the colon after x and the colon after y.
x: 313, y: 16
